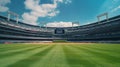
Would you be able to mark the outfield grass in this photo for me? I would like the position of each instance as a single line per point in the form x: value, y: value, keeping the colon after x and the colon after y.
x: 60, y: 55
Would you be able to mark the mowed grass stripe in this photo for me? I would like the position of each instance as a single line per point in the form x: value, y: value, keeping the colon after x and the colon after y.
x: 98, y: 61
x: 104, y: 58
x: 13, y: 47
x: 60, y: 55
x: 10, y: 48
x: 114, y: 48
x: 17, y: 57
x: 15, y: 52
x: 55, y: 58
x: 16, y: 48
x: 109, y: 56
x: 77, y: 58
x: 105, y: 50
x: 32, y: 59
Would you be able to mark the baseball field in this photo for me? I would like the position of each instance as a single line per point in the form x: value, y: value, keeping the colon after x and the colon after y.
x: 60, y: 55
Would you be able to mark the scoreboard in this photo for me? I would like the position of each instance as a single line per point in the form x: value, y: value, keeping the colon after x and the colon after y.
x: 59, y: 31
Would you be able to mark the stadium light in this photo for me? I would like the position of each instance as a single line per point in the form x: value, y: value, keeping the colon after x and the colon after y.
x: 46, y: 28
x: 75, y: 23
x: 72, y: 26
x: 8, y: 16
x: 104, y: 14
x: 42, y: 24
x: 14, y: 14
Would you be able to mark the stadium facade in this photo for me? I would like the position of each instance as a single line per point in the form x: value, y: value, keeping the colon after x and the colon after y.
x: 106, y: 30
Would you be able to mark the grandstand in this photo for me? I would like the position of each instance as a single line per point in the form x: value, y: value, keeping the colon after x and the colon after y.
x: 107, y: 30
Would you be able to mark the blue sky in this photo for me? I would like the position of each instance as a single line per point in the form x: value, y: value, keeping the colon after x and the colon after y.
x: 60, y: 12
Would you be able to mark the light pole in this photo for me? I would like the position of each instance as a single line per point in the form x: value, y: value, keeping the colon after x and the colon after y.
x: 14, y: 14
x: 104, y: 14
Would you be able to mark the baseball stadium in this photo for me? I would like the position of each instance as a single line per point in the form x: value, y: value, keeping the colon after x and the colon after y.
x: 96, y: 44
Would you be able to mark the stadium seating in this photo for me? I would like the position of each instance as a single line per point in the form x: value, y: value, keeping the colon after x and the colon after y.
x: 103, y: 31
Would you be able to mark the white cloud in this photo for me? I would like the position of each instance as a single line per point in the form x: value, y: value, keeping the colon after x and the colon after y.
x: 28, y: 18
x: 40, y: 10
x: 115, y: 6
x: 68, y: 1
x: 3, y: 4
x: 116, y: 9
x: 115, y: 0
x: 61, y: 24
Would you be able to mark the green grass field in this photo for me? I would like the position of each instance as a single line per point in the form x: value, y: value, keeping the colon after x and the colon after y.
x: 60, y: 55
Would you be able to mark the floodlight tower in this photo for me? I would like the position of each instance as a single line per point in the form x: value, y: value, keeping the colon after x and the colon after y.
x: 72, y: 26
x: 104, y: 14
x: 44, y: 25
x: 46, y: 28
x: 13, y: 14
x: 75, y: 23
x: 40, y: 25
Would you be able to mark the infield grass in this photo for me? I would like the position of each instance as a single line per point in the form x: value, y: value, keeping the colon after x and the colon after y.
x: 60, y: 55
